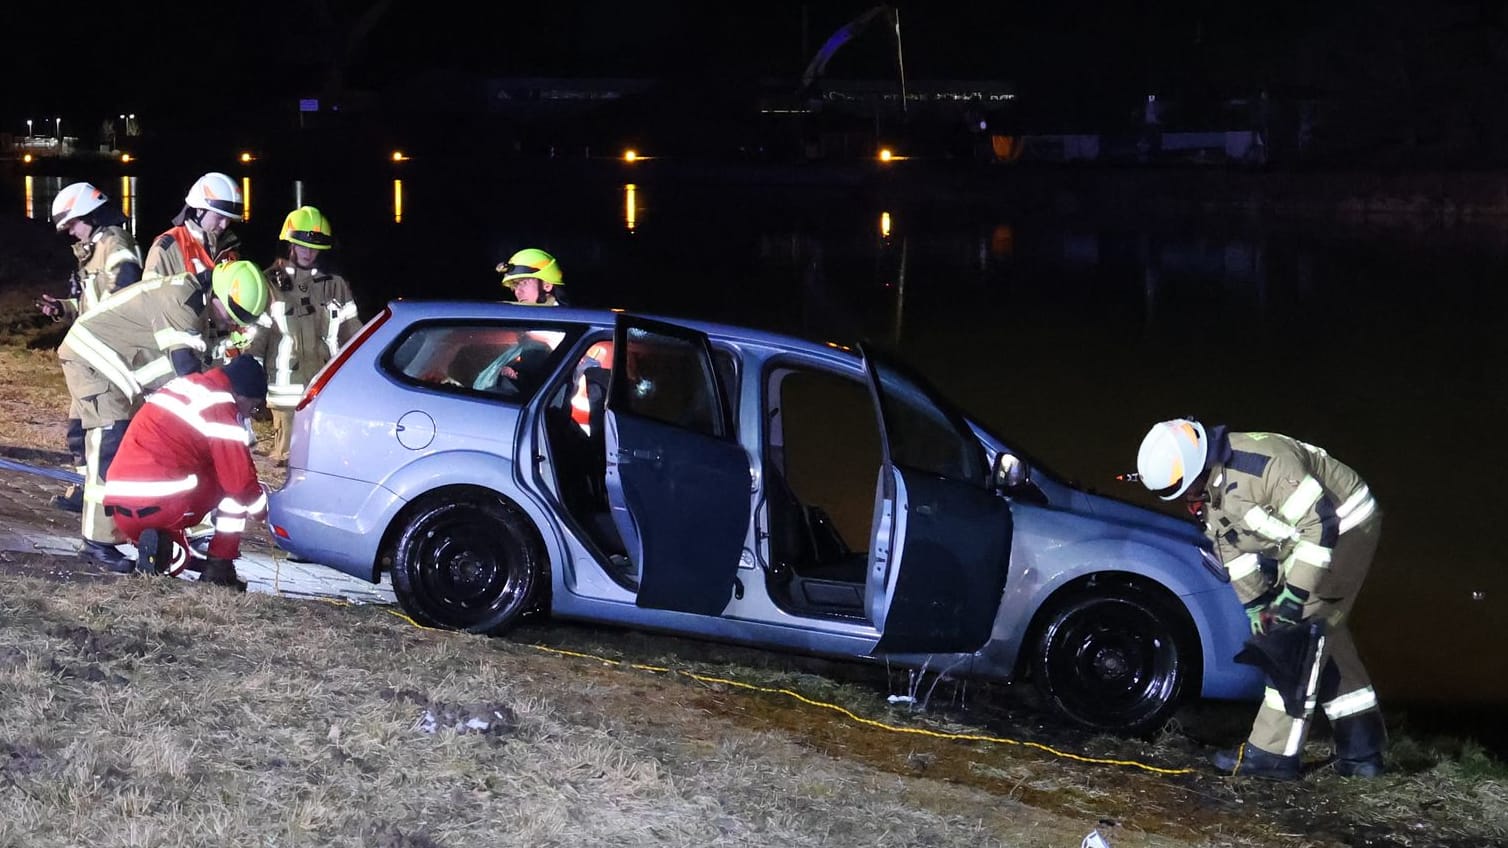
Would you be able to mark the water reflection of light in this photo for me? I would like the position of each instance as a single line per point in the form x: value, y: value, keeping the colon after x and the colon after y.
x: 30, y: 189
x: 397, y: 201
x: 128, y: 200
x: 1002, y: 240
x: 630, y: 205
x: 246, y: 198
x: 885, y: 225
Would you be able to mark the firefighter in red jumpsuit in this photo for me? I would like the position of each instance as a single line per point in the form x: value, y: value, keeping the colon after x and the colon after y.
x: 185, y: 455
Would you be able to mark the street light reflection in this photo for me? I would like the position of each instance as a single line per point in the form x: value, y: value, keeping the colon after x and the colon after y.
x: 246, y: 198
x: 397, y: 201
x: 885, y: 225
x: 128, y: 200
x: 630, y: 206
x: 30, y: 190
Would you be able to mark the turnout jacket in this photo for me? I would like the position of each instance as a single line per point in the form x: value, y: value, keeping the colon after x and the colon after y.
x: 311, y: 316
x: 189, y: 438
x: 1272, y: 496
x: 129, y: 338
x: 101, y: 260
x: 188, y: 249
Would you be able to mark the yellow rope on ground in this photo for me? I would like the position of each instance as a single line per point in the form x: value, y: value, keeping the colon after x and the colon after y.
x: 850, y: 714
x: 869, y: 722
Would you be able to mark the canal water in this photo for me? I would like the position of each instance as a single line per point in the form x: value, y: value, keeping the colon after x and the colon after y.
x: 1068, y: 335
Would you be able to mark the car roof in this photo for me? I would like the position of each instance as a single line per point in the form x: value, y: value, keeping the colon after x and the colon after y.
x: 407, y: 310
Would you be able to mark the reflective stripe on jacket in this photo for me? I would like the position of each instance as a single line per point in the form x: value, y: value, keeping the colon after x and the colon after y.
x: 188, y: 436
x: 304, y: 326
x: 1275, y: 496
x: 128, y: 337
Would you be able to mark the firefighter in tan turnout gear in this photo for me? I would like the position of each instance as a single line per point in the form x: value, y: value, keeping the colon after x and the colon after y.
x: 132, y: 343
x: 199, y: 238
x: 108, y: 259
x: 1296, y: 529
x: 312, y: 315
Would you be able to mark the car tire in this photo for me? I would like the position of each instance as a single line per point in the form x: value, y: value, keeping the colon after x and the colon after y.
x: 1116, y: 660
x: 471, y: 562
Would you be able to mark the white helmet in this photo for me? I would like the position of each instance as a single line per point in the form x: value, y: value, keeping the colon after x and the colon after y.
x: 1172, y: 457
x: 218, y: 193
x: 74, y: 202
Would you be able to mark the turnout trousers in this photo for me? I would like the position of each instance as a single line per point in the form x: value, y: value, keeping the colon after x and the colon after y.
x: 1342, y: 688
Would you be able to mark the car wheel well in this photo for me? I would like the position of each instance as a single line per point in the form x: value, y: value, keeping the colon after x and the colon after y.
x: 1136, y: 588
x: 387, y: 550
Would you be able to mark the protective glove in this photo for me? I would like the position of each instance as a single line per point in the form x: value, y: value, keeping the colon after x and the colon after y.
x: 1288, y: 606
x: 51, y: 307
x: 1256, y: 612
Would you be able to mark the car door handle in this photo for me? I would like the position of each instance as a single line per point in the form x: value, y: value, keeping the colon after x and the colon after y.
x: 640, y: 453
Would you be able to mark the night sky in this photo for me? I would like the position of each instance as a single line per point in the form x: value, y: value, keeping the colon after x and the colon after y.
x: 86, y: 59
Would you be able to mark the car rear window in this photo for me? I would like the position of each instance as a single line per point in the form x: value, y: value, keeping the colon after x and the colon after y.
x: 505, y: 361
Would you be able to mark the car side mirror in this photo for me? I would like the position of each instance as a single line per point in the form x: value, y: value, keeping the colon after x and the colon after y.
x: 1010, y: 472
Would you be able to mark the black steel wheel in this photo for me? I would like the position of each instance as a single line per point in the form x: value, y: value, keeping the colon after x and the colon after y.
x: 1114, y: 661
x: 470, y: 562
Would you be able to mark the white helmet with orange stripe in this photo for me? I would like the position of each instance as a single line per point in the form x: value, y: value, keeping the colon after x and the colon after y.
x: 1172, y: 456
x: 218, y: 193
x: 74, y: 202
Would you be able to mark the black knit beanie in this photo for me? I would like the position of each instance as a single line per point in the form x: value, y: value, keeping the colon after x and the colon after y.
x: 247, y: 378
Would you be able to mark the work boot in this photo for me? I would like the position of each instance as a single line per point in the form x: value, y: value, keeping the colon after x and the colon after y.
x: 1359, y: 741
x: 108, y: 556
x: 72, y: 499
x: 154, y: 553
x: 1250, y: 761
x: 222, y: 572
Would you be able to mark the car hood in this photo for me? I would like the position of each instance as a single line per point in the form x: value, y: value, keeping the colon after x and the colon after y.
x: 1121, y: 512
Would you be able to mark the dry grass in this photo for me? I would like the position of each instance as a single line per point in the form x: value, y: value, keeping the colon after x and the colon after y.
x: 151, y: 712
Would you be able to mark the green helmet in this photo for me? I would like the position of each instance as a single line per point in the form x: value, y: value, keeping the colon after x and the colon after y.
x: 308, y: 227
x: 240, y: 286
x: 531, y: 262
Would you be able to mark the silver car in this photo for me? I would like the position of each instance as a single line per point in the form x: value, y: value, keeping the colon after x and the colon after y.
x: 738, y: 485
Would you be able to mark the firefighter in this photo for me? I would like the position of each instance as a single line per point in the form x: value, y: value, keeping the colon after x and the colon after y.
x: 1296, y: 529
x: 186, y: 456
x: 311, y: 316
x: 533, y: 276
x: 199, y: 240
x: 132, y: 343
x: 108, y: 259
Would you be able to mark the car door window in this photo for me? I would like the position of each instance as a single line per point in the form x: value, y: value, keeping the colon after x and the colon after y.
x: 921, y: 433
x: 496, y: 360
x: 669, y: 380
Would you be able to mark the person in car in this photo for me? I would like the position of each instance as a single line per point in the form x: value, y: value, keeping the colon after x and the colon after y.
x: 186, y: 456
x: 534, y: 277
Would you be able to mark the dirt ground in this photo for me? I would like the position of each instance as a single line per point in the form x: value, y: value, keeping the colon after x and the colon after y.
x: 988, y: 738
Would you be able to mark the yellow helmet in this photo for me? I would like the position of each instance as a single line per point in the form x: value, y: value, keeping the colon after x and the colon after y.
x: 531, y: 262
x: 308, y: 227
x: 242, y: 288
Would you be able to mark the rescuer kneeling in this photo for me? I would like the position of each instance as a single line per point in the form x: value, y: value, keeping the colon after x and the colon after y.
x: 187, y: 454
